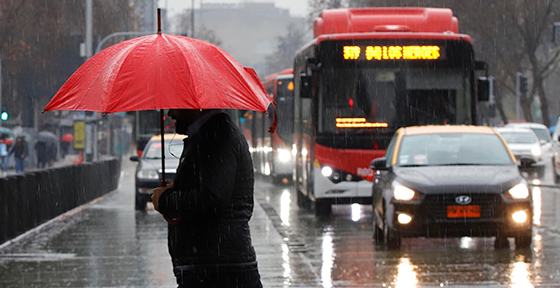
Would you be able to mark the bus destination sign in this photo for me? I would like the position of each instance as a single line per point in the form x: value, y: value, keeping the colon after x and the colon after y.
x: 380, y: 53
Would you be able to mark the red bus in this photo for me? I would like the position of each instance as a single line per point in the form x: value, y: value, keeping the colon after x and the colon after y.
x: 366, y: 73
x: 272, y: 153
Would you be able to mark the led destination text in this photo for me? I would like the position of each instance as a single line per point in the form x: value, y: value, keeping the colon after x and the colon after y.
x: 392, y: 52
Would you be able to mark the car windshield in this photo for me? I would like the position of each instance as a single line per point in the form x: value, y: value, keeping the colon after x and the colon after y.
x: 542, y: 134
x: 519, y: 137
x: 452, y: 149
x: 173, y: 149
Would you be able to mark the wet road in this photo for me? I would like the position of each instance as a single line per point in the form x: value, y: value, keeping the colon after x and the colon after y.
x: 108, y: 244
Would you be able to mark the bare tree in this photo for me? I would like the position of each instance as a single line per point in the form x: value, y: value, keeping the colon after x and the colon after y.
x: 287, y: 46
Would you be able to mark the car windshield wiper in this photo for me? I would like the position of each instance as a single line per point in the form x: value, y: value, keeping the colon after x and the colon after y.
x: 152, y: 158
x: 462, y: 164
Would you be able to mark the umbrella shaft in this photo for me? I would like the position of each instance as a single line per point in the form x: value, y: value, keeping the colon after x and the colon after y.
x: 163, y: 182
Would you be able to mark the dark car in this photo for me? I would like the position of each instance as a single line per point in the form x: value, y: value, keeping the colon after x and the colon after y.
x: 450, y: 181
x: 148, y: 172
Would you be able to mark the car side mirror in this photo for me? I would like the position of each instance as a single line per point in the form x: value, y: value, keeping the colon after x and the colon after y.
x: 134, y: 158
x: 525, y: 163
x: 379, y: 164
x: 542, y: 141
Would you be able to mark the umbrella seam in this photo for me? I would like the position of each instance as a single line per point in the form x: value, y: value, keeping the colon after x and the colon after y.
x: 188, y: 68
x: 92, y: 84
x: 231, y: 64
x: 140, y: 42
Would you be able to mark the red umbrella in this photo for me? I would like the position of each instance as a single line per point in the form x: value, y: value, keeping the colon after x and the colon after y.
x: 161, y: 72
x: 67, y: 138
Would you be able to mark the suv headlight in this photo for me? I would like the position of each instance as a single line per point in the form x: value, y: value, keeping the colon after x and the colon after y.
x: 147, y: 174
x: 536, y: 151
x: 401, y: 192
x: 519, y: 191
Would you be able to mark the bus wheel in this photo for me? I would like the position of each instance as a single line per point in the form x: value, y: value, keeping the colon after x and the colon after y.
x: 322, y: 207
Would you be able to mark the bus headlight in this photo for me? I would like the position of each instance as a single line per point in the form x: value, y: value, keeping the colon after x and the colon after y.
x: 401, y: 192
x: 519, y: 191
x: 283, y: 155
x: 327, y: 171
x: 147, y: 174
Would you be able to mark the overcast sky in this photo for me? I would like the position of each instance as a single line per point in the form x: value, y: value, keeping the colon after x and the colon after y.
x: 297, y: 7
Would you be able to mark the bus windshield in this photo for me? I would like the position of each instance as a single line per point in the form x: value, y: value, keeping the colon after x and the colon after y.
x: 391, y: 97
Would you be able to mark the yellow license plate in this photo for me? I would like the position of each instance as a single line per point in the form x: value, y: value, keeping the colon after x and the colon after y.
x: 463, y: 211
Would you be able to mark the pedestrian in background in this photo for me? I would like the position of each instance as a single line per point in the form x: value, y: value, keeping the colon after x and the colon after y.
x: 41, y: 151
x: 4, y: 156
x: 20, y: 152
x: 210, y: 204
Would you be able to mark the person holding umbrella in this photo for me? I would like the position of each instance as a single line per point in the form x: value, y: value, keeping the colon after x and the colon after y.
x: 210, y: 202
x: 212, y: 196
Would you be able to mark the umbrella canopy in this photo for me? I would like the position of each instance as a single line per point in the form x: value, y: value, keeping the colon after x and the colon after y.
x: 47, y: 137
x: 161, y: 72
x: 67, y: 138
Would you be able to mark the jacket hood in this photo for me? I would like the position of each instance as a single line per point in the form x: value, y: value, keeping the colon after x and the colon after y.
x: 459, y: 179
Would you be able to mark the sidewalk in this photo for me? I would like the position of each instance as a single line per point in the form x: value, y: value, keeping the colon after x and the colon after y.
x: 68, y: 160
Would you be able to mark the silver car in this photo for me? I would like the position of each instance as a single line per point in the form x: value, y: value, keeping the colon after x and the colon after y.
x: 524, y: 144
x: 540, y: 130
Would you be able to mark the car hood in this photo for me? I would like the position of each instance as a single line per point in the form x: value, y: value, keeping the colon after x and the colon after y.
x: 522, y: 147
x: 155, y: 164
x: 475, y: 179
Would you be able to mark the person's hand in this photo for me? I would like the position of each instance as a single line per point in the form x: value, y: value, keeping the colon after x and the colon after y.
x: 157, y: 192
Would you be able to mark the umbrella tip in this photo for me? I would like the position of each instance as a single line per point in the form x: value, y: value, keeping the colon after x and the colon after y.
x: 43, y: 112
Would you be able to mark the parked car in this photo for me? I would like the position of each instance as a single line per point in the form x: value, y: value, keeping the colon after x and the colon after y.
x: 450, y: 181
x: 540, y: 130
x: 524, y: 143
x: 149, y: 170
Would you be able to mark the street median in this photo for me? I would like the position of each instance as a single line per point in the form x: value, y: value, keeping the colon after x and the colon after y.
x: 30, y: 199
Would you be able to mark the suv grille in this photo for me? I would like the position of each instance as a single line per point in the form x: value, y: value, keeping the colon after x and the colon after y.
x: 436, y: 204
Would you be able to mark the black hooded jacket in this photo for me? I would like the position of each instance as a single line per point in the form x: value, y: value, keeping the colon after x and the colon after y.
x: 212, y: 194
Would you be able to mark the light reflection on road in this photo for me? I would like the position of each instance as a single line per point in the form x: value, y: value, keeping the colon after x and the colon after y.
x: 356, y: 212
x: 286, y: 264
x: 520, y: 275
x: 285, y: 207
x: 328, y: 257
x: 466, y: 243
x: 537, y: 206
x: 406, y: 277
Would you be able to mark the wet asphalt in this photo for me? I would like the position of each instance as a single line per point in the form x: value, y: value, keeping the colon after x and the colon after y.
x: 108, y: 244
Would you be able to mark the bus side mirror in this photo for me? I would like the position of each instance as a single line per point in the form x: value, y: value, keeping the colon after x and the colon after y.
x: 306, y: 84
x: 483, y: 85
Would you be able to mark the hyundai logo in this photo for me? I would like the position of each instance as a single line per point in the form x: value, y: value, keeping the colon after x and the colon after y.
x: 463, y: 200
